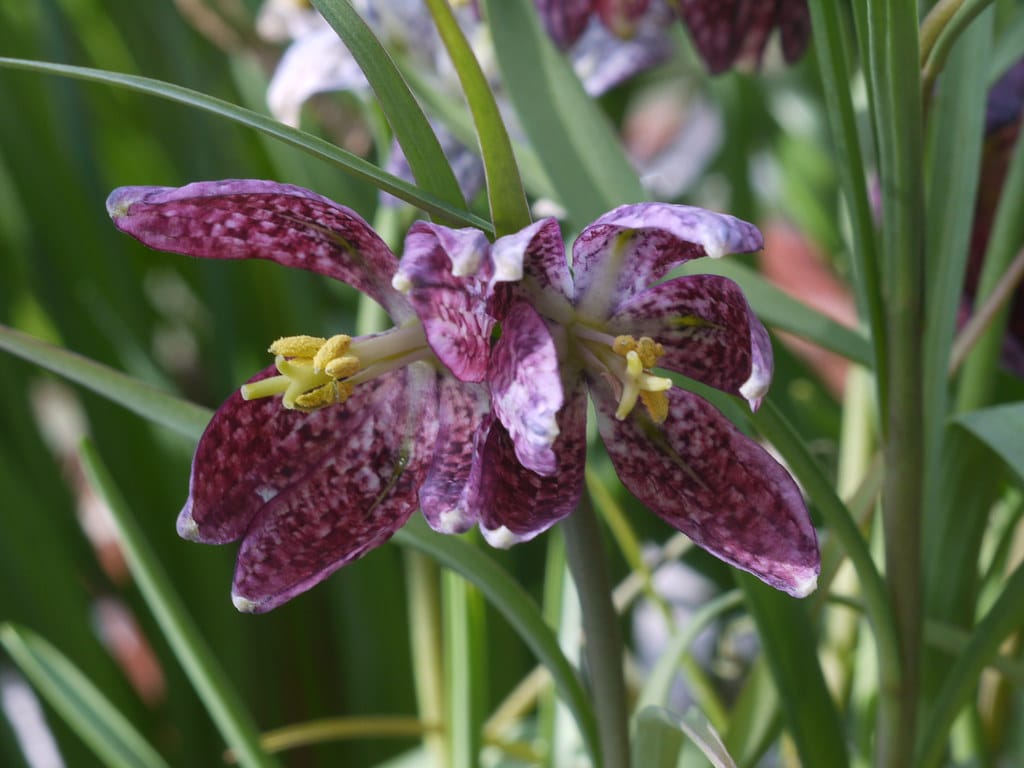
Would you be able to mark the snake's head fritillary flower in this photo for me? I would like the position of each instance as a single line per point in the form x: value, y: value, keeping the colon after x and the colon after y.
x: 325, y: 454
x: 731, y: 32
x: 607, y: 327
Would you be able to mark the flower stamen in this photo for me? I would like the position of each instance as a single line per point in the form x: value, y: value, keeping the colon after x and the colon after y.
x: 637, y: 383
x: 312, y: 371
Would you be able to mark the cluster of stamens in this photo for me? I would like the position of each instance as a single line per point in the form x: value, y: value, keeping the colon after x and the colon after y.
x: 313, y: 372
x: 639, y: 383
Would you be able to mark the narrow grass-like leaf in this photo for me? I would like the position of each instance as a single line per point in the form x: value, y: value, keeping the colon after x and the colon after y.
x: 961, y: 678
x: 657, y: 738
x: 656, y: 689
x: 782, y: 311
x: 511, y: 601
x: 510, y: 211
x: 1000, y: 428
x: 207, y: 677
x: 441, y: 208
x: 89, y: 713
x: 429, y: 165
x: 830, y: 43
x: 569, y: 132
x: 162, y: 408
x: 789, y: 641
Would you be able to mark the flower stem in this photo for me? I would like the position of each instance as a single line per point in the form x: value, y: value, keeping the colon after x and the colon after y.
x: 602, y: 635
x: 423, y: 584
x: 892, y: 46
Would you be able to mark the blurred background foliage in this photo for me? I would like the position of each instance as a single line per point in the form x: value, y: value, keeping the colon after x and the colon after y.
x: 200, y: 329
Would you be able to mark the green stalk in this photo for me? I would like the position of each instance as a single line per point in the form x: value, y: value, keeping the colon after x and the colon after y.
x: 895, y: 76
x: 423, y: 588
x: 464, y: 647
x: 830, y: 42
x: 602, y: 635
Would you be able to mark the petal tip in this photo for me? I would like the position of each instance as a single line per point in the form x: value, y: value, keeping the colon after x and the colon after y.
x: 803, y: 585
x: 244, y: 604
x: 453, y: 521
x: 120, y: 200
x: 401, y: 282
x: 186, y: 526
x: 502, y: 537
x: 754, y: 389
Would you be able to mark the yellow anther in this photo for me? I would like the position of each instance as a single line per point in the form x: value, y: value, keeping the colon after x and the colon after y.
x: 623, y: 345
x: 656, y: 404
x: 647, y: 348
x: 331, y: 393
x: 650, y: 351
x: 297, y: 346
x: 334, y: 347
x: 342, y: 367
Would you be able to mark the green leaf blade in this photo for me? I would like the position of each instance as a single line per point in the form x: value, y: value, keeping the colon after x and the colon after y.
x: 89, y: 713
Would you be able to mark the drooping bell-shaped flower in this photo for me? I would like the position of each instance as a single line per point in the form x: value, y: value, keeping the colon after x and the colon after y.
x: 731, y: 32
x: 605, y: 327
x: 365, y: 429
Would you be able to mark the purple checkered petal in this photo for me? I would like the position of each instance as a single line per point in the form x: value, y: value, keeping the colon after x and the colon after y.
x: 252, y: 219
x: 526, y: 387
x: 728, y: 31
x: 603, y: 60
x: 536, y: 256
x: 708, y: 330
x: 449, y: 495
x: 701, y: 475
x: 346, y: 501
x: 443, y: 273
x: 633, y: 246
x: 517, y: 504
x: 564, y: 20
x: 794, y: 21
x: 712, y: 25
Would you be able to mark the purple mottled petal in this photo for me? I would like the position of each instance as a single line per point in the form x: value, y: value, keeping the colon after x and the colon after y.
x: 603, y: 60
x: 708, y: 330
x: 449, y: 494
x: 536, y: 256
x: 252, y: 219
x: 633, y: 246
x: 726, y: 32
x: 713, y: 28
x: 348, y: 500
x: 517, y: 504
x: 794, y: 22
x: 564, y: 20
x: 439, y: 274
x: 704, y: 477
x: 526, y: 387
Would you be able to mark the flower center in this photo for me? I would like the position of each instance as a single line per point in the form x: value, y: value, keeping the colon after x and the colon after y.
x: 626, y: 363
x: 315, y: 372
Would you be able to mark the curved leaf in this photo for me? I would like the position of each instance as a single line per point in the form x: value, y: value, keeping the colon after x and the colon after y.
x: 82, y: 705
x: 429, y: 165
x: 517, y: 607
x: 162, y: 408
x: 207, y: 677
x: 439, y: 207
